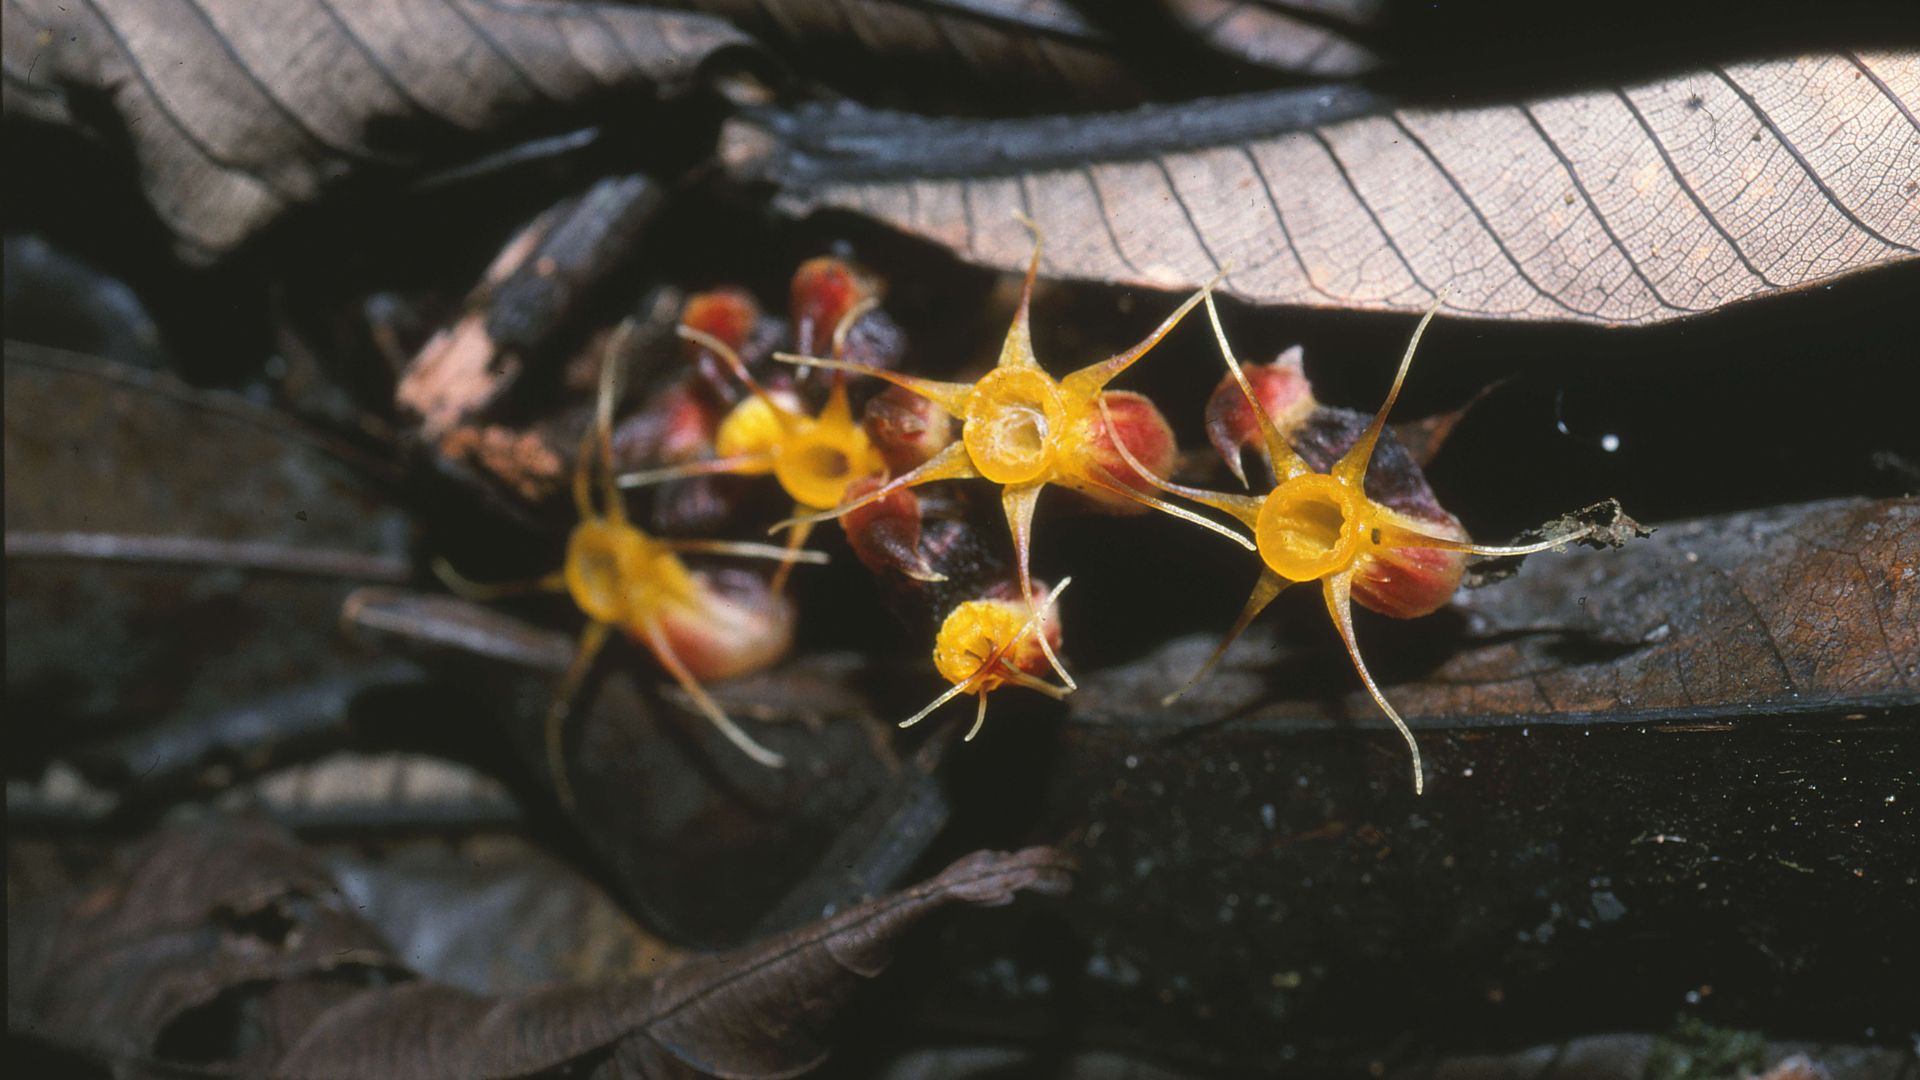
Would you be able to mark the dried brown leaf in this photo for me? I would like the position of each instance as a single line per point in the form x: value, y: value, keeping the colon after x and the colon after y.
x: 1285, y: 35
x: 759, y: 1011
x: 974, y: 53
x: 237, y: 111
x: 1620, y: 206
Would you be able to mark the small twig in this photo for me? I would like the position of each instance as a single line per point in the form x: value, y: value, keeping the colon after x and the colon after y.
x: 195, y: 551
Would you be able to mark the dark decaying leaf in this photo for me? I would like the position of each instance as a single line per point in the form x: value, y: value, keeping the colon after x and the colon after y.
x: 702, y: 841
x: 1620, y: 206
x: 969, y: 54
x: 236, y: 910
x: 1302, y: 38
x: 493, y: 913
x: 1654, y: 776
x: 254, y: 734
x: 1593, y: 1057
x: 1791, y: 610
x: 876, y: 848
x: 170, y: 550
x: 192, y: 912
x: 237, y: 111
x: 759, y: 1011
x: 54, y: 298
x: 1651, y: 1057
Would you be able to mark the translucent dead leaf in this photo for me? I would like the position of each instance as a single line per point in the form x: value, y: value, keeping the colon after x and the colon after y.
x: 237, y: 112
x: 1625, y: 205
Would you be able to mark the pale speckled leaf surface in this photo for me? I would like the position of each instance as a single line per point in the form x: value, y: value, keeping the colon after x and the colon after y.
x: 1622, y: 206
x: 237, y: 110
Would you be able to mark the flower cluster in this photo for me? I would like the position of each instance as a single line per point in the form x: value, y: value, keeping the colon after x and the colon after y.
x: 1345, y: 506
